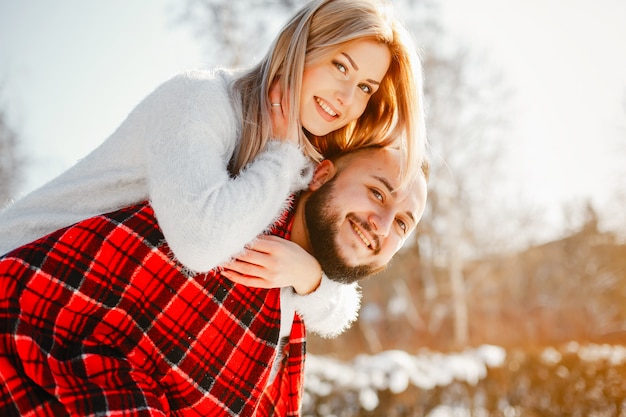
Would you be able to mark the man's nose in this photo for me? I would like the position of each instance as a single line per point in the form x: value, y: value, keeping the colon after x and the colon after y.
x: 381, y: 223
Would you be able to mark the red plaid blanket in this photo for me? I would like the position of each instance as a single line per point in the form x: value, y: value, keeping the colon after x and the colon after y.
x: 97, y: 319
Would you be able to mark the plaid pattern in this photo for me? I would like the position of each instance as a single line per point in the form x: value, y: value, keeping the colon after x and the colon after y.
x: 284, y: 395
x: 97, y: 319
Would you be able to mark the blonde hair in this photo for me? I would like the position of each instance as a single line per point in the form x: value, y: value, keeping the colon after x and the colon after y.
x: 394, y: 114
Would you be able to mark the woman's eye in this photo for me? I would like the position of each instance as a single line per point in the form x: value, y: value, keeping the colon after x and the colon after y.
x: 366, y: 88
x: 342, y: 68
x: 402, y: 225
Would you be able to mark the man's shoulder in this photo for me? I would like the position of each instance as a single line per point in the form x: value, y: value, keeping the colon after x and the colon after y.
x: 284, y: 222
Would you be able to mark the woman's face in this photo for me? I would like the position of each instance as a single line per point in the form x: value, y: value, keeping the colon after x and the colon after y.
x: 335, y: 91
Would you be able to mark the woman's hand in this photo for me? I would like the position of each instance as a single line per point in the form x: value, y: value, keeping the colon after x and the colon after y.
x: 279, y: 112
x: 273, y: 262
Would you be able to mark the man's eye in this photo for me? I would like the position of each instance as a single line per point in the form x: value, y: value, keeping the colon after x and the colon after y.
x: 377, y: 194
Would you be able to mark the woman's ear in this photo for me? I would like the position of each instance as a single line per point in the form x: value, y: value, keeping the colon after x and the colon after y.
x: 324, y: 171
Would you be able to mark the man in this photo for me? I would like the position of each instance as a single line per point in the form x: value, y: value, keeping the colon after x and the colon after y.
x: 98, y: 319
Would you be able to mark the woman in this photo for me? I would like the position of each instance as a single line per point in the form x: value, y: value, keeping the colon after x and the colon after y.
x: 214, y: 151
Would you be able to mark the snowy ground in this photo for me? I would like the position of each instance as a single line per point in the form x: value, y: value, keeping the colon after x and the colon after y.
x: 356, y: 387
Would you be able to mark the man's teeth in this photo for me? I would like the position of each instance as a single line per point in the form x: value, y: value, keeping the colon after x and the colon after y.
x: 362, y: 236
x: 325, y: 107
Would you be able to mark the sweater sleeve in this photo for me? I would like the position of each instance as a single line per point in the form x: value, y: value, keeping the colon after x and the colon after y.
x: 207, y: 215
x: 330, y: 309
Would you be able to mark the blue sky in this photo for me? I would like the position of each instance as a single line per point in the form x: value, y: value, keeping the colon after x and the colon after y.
x: 71, y: 71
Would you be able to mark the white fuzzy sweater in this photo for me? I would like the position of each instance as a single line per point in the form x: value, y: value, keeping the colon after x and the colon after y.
x: 173, y: 149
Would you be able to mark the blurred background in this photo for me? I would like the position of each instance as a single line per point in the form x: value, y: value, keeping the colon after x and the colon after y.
x: 509, y: 298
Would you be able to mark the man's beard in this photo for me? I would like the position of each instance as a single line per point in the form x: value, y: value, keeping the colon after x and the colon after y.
x: 322, y: 222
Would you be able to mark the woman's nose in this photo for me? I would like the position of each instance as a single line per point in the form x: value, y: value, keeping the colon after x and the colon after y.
x: 345, y: 94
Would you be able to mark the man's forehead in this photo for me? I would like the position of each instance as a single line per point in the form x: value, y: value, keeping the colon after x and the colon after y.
x: 385, y: 162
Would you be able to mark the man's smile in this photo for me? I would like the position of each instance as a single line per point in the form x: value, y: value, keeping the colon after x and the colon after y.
x: 360, y: 233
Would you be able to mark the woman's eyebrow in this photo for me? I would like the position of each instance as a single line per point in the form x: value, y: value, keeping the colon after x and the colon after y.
x: 349, y: 58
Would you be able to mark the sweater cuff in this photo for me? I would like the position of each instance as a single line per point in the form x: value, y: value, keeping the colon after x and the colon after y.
x: 298, y: 168
x: 330, y: 309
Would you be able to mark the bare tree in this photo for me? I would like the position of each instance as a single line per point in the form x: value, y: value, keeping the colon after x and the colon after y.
x: 237, y: 32
x: 466, y: 118
x: 11, y: 161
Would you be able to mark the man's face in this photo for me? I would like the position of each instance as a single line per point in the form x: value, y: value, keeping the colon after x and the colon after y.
x: 358, y: 219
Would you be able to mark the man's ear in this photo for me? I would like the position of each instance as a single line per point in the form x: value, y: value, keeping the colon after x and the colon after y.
x: 324, y: 171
